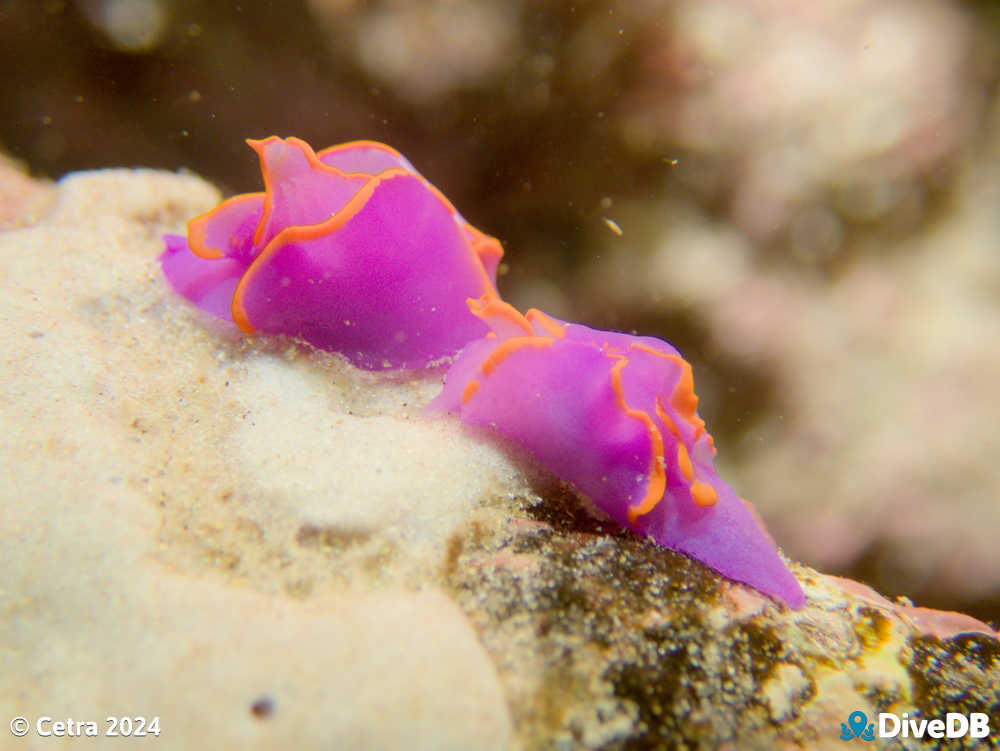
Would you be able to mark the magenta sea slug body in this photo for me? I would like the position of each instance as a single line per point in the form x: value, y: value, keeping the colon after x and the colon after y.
x: 349, y: 249
x: 616, y: 416
x: 354, y: 252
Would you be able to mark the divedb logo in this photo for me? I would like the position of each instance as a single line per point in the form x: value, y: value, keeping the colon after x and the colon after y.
x: 954, y: 725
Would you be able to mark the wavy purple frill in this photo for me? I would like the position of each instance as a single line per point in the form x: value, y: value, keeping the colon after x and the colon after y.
x: 349, y: 249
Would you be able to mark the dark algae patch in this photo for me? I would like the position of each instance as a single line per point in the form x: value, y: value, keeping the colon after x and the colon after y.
x: 693, y: 694
x: 617, y: 635
x: 955, y: 676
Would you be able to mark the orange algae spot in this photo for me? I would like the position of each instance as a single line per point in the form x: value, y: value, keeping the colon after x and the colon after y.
x: 469, y: 391
x: 684, y: 462
x: 657, y: 471
x: 551, y: 327
x: 506, y: 348
x: 703, y: 494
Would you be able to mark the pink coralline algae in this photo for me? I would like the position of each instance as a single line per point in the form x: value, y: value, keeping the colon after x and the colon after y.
x: 354, y: 252
x: 616, y: 416
x: 349, y: 249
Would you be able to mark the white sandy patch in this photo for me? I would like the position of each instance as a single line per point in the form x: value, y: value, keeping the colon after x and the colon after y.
x: 189, y: 523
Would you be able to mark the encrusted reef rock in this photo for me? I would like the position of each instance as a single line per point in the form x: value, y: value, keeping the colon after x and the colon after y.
x: 266, y: 548
x: 606, y: 641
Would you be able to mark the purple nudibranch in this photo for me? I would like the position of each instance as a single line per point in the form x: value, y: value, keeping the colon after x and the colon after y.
x: 354, y: 252
x: 616, y: 416
x: 350, y: 250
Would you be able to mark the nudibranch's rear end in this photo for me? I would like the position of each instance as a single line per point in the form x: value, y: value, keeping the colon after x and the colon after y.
x: 616, y: 416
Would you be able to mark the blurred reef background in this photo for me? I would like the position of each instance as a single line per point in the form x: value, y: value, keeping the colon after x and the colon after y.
x: 802, y: 195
